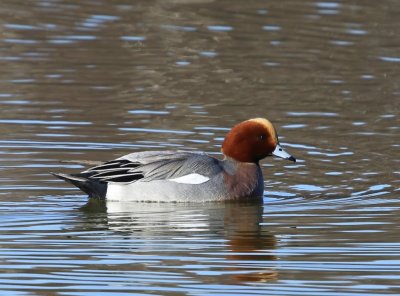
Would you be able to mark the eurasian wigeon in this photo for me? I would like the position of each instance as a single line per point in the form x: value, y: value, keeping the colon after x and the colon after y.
x: 171, y: 176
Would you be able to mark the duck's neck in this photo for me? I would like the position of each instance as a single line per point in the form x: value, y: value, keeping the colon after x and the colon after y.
x: 235, y: 162
x: 244, y: 180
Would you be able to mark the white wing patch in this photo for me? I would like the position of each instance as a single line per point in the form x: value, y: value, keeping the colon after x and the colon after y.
x: 191, y: 179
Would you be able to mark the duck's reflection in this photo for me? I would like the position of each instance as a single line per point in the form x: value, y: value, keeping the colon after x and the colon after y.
x: 249, y: 241
x: 231, y: 234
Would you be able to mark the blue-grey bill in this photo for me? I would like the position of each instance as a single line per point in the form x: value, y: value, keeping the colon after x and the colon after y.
x: 282, y: 153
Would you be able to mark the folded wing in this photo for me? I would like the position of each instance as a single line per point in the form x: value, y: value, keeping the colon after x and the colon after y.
x: 156, y: 165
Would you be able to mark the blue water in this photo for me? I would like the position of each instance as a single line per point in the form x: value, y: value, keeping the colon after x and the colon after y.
x: 87, y: 82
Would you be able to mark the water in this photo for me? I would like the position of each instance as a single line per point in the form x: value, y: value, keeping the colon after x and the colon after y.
x: 94, y: 80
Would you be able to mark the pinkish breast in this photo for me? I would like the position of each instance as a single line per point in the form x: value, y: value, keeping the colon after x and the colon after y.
x: 247, y: 183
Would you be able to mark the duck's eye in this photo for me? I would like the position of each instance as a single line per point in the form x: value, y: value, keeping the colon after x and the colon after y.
x: 262, y: 137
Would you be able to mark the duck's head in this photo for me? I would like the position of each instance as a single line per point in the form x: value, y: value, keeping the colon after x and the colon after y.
x: 253, y: 140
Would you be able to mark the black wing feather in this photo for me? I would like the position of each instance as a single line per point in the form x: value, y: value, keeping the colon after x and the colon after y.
x: 114, y: 171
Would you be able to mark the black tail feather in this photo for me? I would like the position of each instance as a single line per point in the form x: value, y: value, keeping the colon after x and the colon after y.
x: 94, y: 188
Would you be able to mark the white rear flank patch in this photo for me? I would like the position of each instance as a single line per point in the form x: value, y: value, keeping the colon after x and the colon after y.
x: 191, y: 179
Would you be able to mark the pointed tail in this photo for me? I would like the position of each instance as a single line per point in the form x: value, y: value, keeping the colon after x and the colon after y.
x: 94, y: 188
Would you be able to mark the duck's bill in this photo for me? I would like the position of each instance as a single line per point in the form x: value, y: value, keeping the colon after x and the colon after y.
x: 282, y: 153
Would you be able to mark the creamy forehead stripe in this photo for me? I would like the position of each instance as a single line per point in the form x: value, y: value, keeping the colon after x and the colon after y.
x: 191, y: 179
x: 267, y: 124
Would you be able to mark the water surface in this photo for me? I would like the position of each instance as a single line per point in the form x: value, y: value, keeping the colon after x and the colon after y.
x: 97, y: 79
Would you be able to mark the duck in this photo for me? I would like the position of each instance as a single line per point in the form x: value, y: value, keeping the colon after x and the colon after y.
x: 183, y: 176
